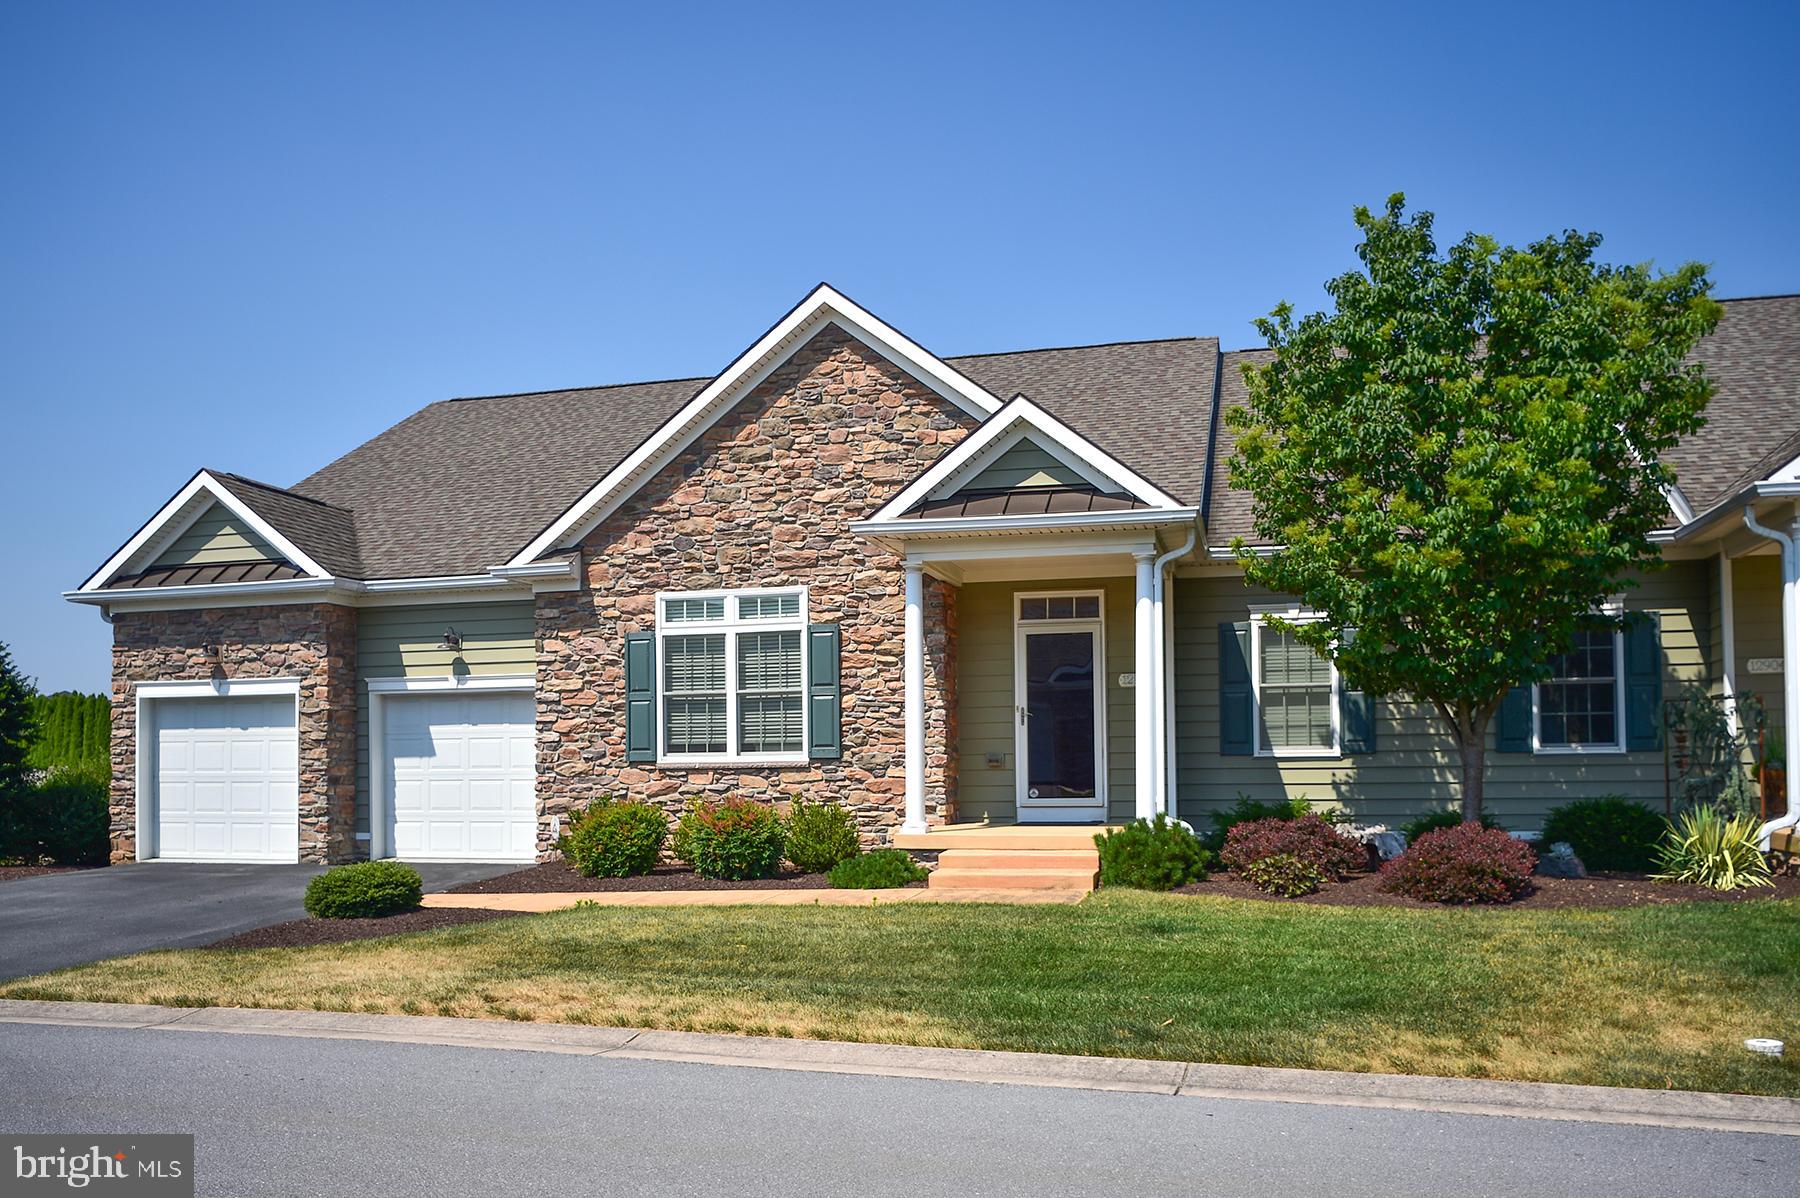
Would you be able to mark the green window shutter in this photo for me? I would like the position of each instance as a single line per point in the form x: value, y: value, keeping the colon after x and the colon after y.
x: 824, y: 694
x: 640, y: 696
x: 1643, y: 682
x: 1358, y: 722
x: 1237, y: 734
x: 1515, y: 721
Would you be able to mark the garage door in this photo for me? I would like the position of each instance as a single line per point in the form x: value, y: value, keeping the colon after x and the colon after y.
x: 461, y: 772
x: 227, y: 779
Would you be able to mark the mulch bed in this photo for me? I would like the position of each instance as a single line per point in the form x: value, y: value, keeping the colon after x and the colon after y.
x: 553, y: 876
x: 302, y: 932
x: 12, y: 873
x: 1596, y: 890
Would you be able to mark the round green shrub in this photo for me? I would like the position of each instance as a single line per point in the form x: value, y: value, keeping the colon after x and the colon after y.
x: 1151, y: 855
x: 1437, y: 821
x: 879, y: 869
x: 616, y: 840
x: 366, y: 890
x: 1611, y: 832
x: 735, y: 840
x: 819, y: 835
x: 64, y: 819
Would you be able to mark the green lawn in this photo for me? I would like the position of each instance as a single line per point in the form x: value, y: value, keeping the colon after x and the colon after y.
x: 1656, y: 996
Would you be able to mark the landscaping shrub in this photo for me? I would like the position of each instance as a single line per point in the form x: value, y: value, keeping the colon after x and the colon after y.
x: 1709, y: 849
x: 1148, y: 855
x: 736, y: 839
x: 615, y: 840
x: 366, y: 890
x: 63, y: 818
x: 879, y: 869
x: 1248, y: 810
x: 819, y: 835
x: 1308, y: 837
x: 1437, y: 821
x: 1610, y: 832
x: 1284, y: 874
x: 1463, y: 864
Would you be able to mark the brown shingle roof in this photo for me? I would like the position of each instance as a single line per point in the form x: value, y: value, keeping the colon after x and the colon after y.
x: 324, y: 532
x: 1752, y: 424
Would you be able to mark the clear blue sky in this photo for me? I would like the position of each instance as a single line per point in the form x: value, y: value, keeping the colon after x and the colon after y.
x: 252, y: 236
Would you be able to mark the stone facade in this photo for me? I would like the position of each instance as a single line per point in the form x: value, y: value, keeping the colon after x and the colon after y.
x: 763, y: 499
x: 315, y: 643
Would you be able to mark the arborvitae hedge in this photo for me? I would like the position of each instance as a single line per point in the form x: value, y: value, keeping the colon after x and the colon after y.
x: 73, y: 730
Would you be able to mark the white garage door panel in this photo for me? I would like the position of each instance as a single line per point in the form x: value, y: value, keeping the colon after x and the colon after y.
x: 461, y: 772
x: 227, y: 779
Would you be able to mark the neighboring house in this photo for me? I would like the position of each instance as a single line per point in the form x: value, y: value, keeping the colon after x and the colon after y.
x: 938, y: 590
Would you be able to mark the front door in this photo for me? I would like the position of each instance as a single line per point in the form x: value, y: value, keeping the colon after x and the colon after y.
x: 1061, y: 775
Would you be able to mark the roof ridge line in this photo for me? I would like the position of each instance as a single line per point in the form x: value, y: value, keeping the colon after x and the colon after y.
x: 1054, y: 349
x: 287, y: 491
x: 564, y: 390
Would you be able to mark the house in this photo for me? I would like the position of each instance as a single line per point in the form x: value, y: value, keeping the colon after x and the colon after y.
x: 939, y: 590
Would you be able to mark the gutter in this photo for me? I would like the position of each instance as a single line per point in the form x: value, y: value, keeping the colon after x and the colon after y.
x: 1790, y: 662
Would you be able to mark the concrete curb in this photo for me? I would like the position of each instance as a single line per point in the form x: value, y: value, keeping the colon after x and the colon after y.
x: 1463, y: 1096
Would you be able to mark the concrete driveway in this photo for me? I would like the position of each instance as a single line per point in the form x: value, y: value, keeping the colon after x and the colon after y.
x: 54, y: 920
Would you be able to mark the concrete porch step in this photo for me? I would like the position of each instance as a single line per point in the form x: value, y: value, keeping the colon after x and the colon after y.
x: 1002, y: 836
x: 1012, y: 858
x: 1077, y: 880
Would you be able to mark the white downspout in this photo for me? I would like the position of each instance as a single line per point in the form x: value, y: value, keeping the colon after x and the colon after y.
x: 1790, y: 659
x: 1728, y: 641
x: 1163, y: 704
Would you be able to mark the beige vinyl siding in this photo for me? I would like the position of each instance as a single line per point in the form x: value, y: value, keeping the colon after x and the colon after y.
x: 217, y: 536
x: 1756, y: 602
x: 1414, y: 768
x: 402, y: 642
x: 1026, y: 464
x: 985, y: 700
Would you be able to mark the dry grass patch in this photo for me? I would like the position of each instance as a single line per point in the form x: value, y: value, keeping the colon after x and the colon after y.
x: 1654, y: 996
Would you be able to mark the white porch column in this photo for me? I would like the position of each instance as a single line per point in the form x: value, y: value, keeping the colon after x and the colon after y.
x: 914, y: 669
x: 1145, y: 665
x: 1790, y: 652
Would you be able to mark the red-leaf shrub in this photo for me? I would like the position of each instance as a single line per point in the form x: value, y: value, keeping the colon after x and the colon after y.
x: 1308, y: 838
x: 1464, y: 864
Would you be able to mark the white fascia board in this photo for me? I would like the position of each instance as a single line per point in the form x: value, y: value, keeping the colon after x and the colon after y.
x: 1021, y: 413
x: 239, y: 593
x: 1789, y: 473
x: 824, y: 305
x: 172, y: 509
x: 1679, y: 507
x: 902, y: 530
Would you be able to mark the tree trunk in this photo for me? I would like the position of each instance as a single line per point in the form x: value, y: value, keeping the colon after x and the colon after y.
x: 1473, y: 750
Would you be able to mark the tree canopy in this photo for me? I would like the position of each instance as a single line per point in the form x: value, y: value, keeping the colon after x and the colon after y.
x: 1462, y: 463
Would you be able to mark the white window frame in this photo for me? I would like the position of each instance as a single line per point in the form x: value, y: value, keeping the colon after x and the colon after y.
x: 729, y: 625
x: 1539, y: 748
x: 1336, y: 749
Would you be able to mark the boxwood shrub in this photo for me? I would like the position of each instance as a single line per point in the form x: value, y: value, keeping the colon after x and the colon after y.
x: 1463, y: 864
x: 879, y: 869
x: 736, y: 839
x: 366, y: 890
x: 1437, y: 820
x: 819, y: 835
x: 615, y: 839
x: 63, y: 819
x: 1151, y: 855
x: 1610, y: 832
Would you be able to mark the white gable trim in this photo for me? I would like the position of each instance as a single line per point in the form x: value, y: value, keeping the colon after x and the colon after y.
x: 178, y: 510
x: 823, y: 306
x: 1022, y: 417
x: 1021, y: 432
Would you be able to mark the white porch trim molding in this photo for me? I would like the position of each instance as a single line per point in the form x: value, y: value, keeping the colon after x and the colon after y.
x: 914, y: 659
x: 1790, y: 651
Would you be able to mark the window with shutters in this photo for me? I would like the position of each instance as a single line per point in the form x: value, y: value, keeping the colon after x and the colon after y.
x: 1580, y: 708
x: 732, y: 684
x: 1295, y: 691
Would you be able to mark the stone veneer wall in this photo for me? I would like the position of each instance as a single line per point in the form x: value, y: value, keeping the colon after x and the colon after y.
x: 763, y: 499
x: 313, y: 642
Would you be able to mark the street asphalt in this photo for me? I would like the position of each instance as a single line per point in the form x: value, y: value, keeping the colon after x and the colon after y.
x: 54, y: 920
x: 284, y: 1115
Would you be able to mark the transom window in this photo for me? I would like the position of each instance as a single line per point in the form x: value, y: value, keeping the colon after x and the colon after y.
x: 1059, y: 607
x: 1295, y: 691
x: 1578, y: 707
x: 733, y: 675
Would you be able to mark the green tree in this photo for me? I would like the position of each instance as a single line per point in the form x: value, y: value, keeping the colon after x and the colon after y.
x: 1462, y: 462
x: 18, y: 725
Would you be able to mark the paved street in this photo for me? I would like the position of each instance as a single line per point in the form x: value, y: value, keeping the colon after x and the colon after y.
x: 55, y: 920
x: 293, y: 1116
